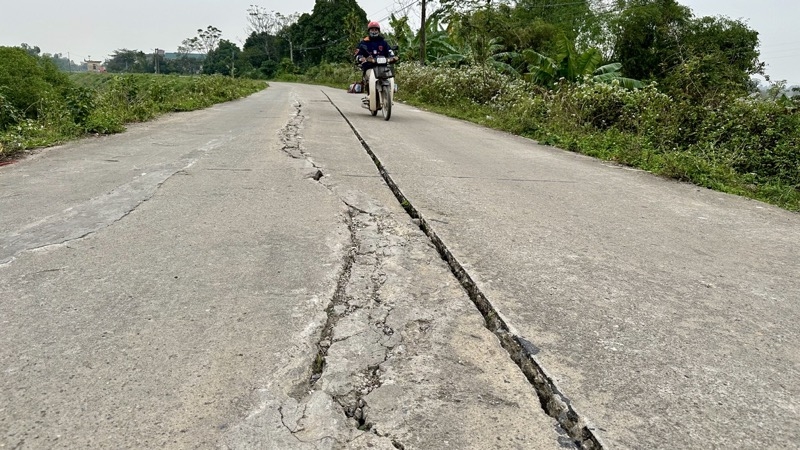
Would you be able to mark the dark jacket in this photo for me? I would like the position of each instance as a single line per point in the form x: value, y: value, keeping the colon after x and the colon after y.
x: 376, y: 46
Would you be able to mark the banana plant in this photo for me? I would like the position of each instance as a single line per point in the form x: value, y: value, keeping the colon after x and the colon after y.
x: 482, y: 53
x: 572, y: 66
x: 438, y: 43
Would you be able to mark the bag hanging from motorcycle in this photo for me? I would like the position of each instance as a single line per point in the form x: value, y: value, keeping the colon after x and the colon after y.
x: 355, y: 88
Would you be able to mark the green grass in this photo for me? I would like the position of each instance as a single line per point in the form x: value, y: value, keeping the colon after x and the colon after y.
x: 104, y: 103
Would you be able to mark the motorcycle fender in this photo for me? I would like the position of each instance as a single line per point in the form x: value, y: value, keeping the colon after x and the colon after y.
x: 373, y: 88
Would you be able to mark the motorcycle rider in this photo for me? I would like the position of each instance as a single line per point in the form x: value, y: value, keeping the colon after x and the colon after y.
x: 371, y: 46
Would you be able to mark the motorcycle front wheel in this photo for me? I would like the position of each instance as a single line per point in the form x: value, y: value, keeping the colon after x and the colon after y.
x: 386, y: 102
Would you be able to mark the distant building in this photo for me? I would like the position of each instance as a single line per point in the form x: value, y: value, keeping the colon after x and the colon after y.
x: 94, y: 66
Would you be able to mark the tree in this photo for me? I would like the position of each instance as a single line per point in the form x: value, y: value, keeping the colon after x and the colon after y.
x: 188, y: 60
x: 690, y: 57
x: 329, y: 33
x: 26, y: 81
x: 648, y: 33
x: 31, y: 50
x: 263, y: 26
x: 128, y: 61
x: 270, y: 39
x: 259, y: 20
x: 208, y: 39
x: 223, y: 59
x: 518, y: 25
x: 439, y: 45
x: 715, y: 55
x: 63, y: 64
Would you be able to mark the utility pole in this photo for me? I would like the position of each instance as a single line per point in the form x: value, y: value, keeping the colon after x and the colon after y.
x: 422, y: 36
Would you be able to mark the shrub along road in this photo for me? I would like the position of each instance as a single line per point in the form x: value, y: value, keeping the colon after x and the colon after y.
x: 244, y: 276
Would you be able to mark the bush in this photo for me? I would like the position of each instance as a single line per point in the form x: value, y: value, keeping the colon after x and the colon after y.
x: 65, y: 107
x: 755, y: 136
x: 452, y: 86
x: 25, y: 84
x: 747, y: 146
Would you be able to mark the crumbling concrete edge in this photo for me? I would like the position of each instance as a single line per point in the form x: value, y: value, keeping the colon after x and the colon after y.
x: 521, y: 351
x: 352, y: 406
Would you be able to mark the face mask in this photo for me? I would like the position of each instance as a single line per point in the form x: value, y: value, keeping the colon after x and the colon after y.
x: 374, y: 33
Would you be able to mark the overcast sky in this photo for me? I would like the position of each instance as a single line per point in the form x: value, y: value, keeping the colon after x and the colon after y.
x: 94, y: 28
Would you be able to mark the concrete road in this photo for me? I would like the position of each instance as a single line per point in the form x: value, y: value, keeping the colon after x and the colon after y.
x: 246, y: 277
x: 667, y: 315
x: 239, y: 277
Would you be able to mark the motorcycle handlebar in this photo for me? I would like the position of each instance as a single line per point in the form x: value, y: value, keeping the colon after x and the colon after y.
x: 389, y: 60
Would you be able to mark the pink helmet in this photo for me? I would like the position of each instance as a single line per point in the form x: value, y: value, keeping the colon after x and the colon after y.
x: 371, y: 25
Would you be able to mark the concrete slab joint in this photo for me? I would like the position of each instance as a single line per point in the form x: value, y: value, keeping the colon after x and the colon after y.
x: 553, y: 402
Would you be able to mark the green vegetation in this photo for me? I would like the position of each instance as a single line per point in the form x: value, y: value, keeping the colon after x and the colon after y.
x: 748, y: 146
x: 328, y: 74
x: 41, y: 106
x: 641, y: 82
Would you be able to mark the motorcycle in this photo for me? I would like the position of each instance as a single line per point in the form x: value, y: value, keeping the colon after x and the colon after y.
x: 380, y: 87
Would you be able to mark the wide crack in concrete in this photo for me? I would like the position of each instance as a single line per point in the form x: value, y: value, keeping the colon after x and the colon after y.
x: 521, y: 351
x: 401, y: 359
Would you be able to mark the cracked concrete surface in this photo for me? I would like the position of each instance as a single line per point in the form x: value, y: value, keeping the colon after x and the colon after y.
x: 267, y: 291
x: 521, y: 351
x: 161, y: 329
x: 403, y: 359
x: 664, y: 311
x: 81, y: 218
x: 243, y: 277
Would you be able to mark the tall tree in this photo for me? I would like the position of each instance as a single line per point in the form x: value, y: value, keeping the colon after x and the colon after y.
x: 209, y: 38
x: 188, y: 61
x: 32, y: 50
x: 691, y: 57
x: 264, y: 24
x: 223, y: 59
x: 648, y: 35
x: 526, y: 24
x: 329, y: 33
x: 715, y: 55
